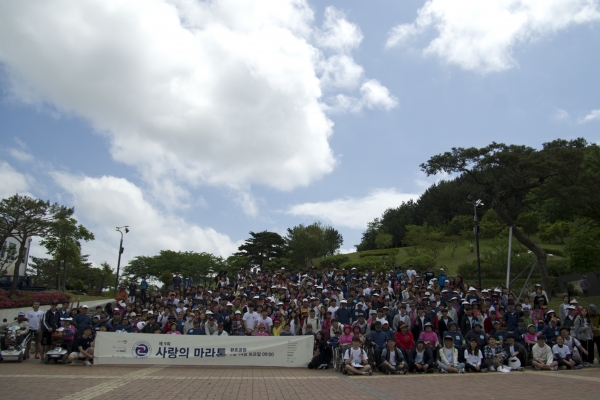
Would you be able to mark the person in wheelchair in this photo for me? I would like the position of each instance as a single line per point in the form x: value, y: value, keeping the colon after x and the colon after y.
x: 393, y: 359
x: 23, y: 324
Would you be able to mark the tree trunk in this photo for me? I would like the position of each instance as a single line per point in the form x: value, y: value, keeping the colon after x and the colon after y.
x: 13, y: 286
x: 531, y: 245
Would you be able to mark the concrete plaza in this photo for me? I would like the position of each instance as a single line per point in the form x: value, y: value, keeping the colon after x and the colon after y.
x: 34, y: 380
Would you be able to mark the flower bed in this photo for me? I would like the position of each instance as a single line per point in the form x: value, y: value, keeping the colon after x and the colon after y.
x: 26, y: 299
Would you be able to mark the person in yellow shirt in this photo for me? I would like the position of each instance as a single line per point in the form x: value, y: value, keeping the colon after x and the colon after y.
x: 277, y: 327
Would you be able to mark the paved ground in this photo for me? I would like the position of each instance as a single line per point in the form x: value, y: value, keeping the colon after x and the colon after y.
x: 33, y: 380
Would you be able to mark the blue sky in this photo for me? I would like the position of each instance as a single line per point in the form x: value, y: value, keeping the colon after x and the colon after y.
x: 197, y: 122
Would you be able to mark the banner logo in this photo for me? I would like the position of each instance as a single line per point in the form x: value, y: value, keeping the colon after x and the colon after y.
x: 141, y: 349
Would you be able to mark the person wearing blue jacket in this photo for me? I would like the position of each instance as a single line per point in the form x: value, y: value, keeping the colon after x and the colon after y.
x: 344, y: 314
x: 378, y: 339
x: 511, y: 317
x: 442, y: 278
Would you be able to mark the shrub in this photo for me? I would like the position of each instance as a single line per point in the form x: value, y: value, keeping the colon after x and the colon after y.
x: 79, y: 285
x: 26, y: 299
x: 374, y: 253
x: 337, y: 260
x: 421, y: 263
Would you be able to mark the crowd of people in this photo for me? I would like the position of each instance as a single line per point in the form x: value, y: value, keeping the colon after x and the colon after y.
x: 395, y: 322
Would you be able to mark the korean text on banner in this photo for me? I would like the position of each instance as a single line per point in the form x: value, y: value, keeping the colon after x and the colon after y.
x: 149, y: 349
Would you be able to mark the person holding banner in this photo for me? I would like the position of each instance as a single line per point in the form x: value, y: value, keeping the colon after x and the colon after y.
x: 320, y: 359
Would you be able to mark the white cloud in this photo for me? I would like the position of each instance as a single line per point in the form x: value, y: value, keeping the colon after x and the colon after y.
x: 338, y: 34
x: 13, y: 181
x: 375, y: 95
x: 561, y: 115
x: 247, y: 203
x: 353, y: 212
x: 104, y: 203
x: 481, y: 35
x: 594, y: 115
x: 227, y: 95
x: 225, y: 92
x: 21, y: 155
x: 340, y: 71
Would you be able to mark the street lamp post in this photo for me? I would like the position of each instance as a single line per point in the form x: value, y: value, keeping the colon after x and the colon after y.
x: 476, y: 204
x: 120, y: 252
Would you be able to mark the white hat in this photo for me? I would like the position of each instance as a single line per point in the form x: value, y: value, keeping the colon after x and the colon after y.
x: 550, y: 312
x: 238, y: 312
x: 570, y: 307
x: 84, y: 306
x: 140, y: 325
x: 353, y: 268
x: 343, y: 301
x: 229, y: 305
x: 427, y: 294
x: 209, y: 312
x: 472, y: 288
x: 514, y: 363
x: 484, y: 291
x: 574, y: 301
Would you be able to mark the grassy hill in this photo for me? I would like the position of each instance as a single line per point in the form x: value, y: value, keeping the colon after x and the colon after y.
x: 461, y: 254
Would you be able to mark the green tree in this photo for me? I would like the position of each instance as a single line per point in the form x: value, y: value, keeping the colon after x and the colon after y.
x: 491, y: 225
x: 506, y: 172
x: 529, y: 222
x: 63, y: 243
x: 384, y: 240
x: 454, y: 242
x: 369, y: 236
x: 424, y: 240
x: 583, y: 247
x: 28, y: 218
x: 458, y: 224
x: 201, y: 266
x: 262, y: 247
x: 558, y: 230
x: 307, y: 242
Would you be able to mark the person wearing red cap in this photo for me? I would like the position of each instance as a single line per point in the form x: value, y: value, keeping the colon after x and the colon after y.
x: 261, y: 331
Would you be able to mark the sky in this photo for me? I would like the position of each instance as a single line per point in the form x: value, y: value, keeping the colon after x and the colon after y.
x: 196, y: 122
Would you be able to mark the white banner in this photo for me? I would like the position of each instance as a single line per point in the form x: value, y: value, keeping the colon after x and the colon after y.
x: 150, y: 349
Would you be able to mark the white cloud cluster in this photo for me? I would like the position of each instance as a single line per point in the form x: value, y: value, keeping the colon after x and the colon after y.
x: 226, y: 92
x: 13, y: 181
x: 353, y: 212
x: 106, y: 202
x: 593, y: 115
x: 481, y: 35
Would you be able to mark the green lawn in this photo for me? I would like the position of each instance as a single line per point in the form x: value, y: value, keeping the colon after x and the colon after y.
x: 582, y: 302
x: 461, y: 254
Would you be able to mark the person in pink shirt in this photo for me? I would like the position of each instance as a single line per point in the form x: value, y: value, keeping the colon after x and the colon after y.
x: 173, y: 329
x: 346, y: 338
x: 531, y: 335
x: 261, y: 331
x: 429, y: 336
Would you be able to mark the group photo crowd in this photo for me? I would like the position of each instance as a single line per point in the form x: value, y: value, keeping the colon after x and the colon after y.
x: 395, y: 322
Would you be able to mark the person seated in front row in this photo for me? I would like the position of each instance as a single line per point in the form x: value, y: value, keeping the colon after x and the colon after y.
x: 393, y: 361
x: 356, y: 360
x: 449, y: 357
x: 474, y: 358
x: 84, y: 348
x: 543, y: 358
x: 420, y: 360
